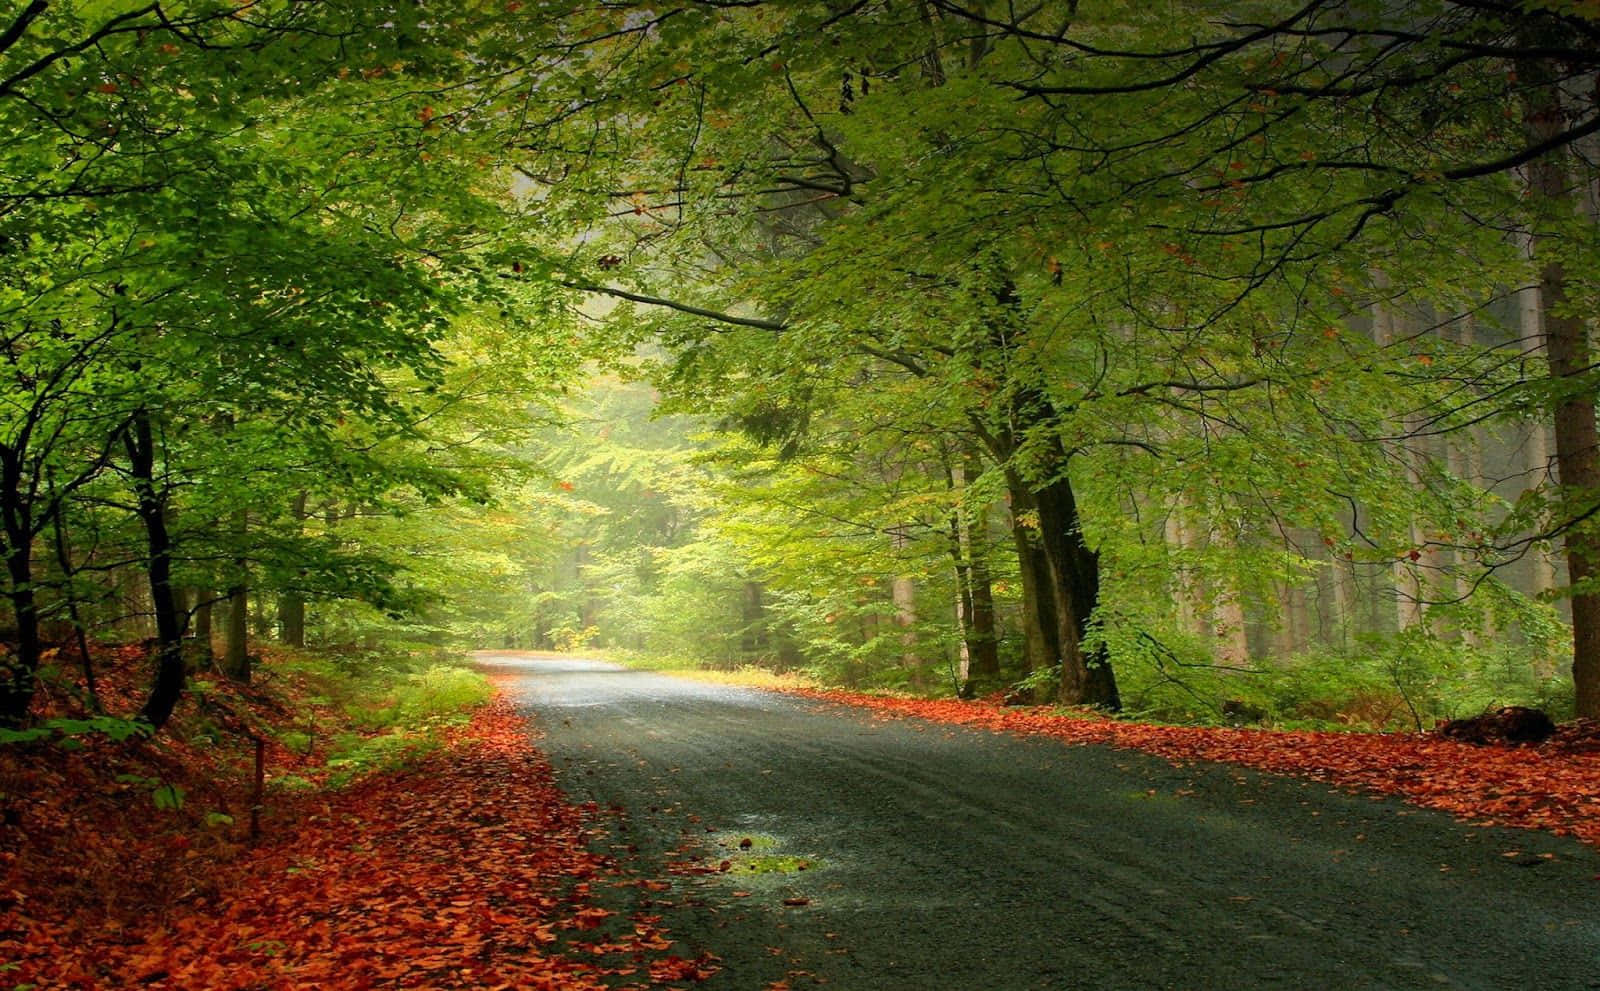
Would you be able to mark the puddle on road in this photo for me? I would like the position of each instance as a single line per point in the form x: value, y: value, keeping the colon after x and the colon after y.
x: 749, y: 854
x: 755, y: 863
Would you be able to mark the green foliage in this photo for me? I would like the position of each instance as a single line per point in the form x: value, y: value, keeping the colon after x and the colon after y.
x: 351, y: 756
x: 1402, y: 683
x: 440, y: 692
x: 297, y: 741
x: 73, y: 734
x: 395, y: 703
x: 165, y: 796
x: 883, y: 278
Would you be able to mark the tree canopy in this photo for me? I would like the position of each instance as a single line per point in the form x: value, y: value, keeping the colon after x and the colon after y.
x: 1151, y: 356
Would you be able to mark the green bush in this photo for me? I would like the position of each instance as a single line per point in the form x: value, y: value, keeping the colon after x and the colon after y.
x: 353, y: 756
x: 441, y: 691
x: 1391, y: 682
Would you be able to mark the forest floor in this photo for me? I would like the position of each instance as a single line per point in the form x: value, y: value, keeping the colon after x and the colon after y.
x: 700, y: 833
x: 456, y: 865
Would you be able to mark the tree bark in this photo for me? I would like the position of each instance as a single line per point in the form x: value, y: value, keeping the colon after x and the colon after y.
x: 291, y: 604
x: 983, y: 643
x: 1039, y: 628
x: 1086, y: 675
x: 903, y: 593
x: 18, y: 668
x: 753, y: 641
x: 151, y: 506
x: 236, y: 652
x: 1568, y: 355
x: 79, y: 629
x: 969, y: 551
x: 202, y: 622
x: 292, y: 619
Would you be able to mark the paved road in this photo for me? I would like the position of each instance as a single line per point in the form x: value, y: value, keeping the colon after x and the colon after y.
x: 943, y: 858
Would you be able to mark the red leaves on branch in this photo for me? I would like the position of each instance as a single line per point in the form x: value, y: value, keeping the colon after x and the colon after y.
x: 469, y: 870
x: 1555, y: 786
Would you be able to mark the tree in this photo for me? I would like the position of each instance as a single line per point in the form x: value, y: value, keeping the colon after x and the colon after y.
x: 1158, y: 252
x: 232, y: 246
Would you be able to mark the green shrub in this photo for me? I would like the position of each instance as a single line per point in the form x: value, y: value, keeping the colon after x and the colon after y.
x: 296, y: 741
x: 354, y: 756
x: 441, y: 691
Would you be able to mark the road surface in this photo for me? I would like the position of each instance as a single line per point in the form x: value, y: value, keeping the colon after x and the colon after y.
x: 900, y: 854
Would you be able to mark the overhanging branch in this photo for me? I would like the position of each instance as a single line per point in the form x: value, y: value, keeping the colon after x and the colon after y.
x: 672, y: 304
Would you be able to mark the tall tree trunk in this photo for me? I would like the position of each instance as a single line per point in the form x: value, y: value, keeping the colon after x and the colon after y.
x: 903, y: 593
x: 983, y: 643
x: 980, y: 647
x: 1072, y: 569
x: 753, y: 640
x: 79, y: 630
x: 202, y: 623
x: 1568, y: 354
x: 236, y: 652
x: 291, y: 604
x: 18, y: 669
x: 292, y: 618
x: 1086, y: 675
x: 969, y: 551
x: 151, y: 506
x: 1038, y: 613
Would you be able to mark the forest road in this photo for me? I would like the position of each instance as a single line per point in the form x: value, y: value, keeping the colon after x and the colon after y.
x: 938, y: 857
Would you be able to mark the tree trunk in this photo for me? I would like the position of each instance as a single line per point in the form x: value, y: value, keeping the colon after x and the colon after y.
x: 292, y: 619
x: 168, y: 685
x: 1071, y: 569
x: 17, y: 670
x: 1038, y: 614
x: 753, y: 613
x: 984, y: 643
x: 291, y: 604
x: 969, y: 550
x: 903, y: 593
x: 236, y: 652
x: 1568, y: 355
x: 1086, y: 675
x: 202, y: 623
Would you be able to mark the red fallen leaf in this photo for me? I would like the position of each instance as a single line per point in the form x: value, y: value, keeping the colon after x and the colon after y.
x: 590, y: 918
x: 681, y: 969
x: 797, y: 901
x: 383, y: 863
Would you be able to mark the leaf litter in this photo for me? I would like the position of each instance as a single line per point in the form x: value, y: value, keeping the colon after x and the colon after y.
x: 468, y: 869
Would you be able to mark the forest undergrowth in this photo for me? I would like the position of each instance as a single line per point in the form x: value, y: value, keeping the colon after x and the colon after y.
x: 410, y: 835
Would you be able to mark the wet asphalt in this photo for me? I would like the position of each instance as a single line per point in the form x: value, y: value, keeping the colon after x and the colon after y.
x: 817, y: 845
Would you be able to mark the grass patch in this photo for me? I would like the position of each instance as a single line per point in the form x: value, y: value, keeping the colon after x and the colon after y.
x: 378, y: 710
